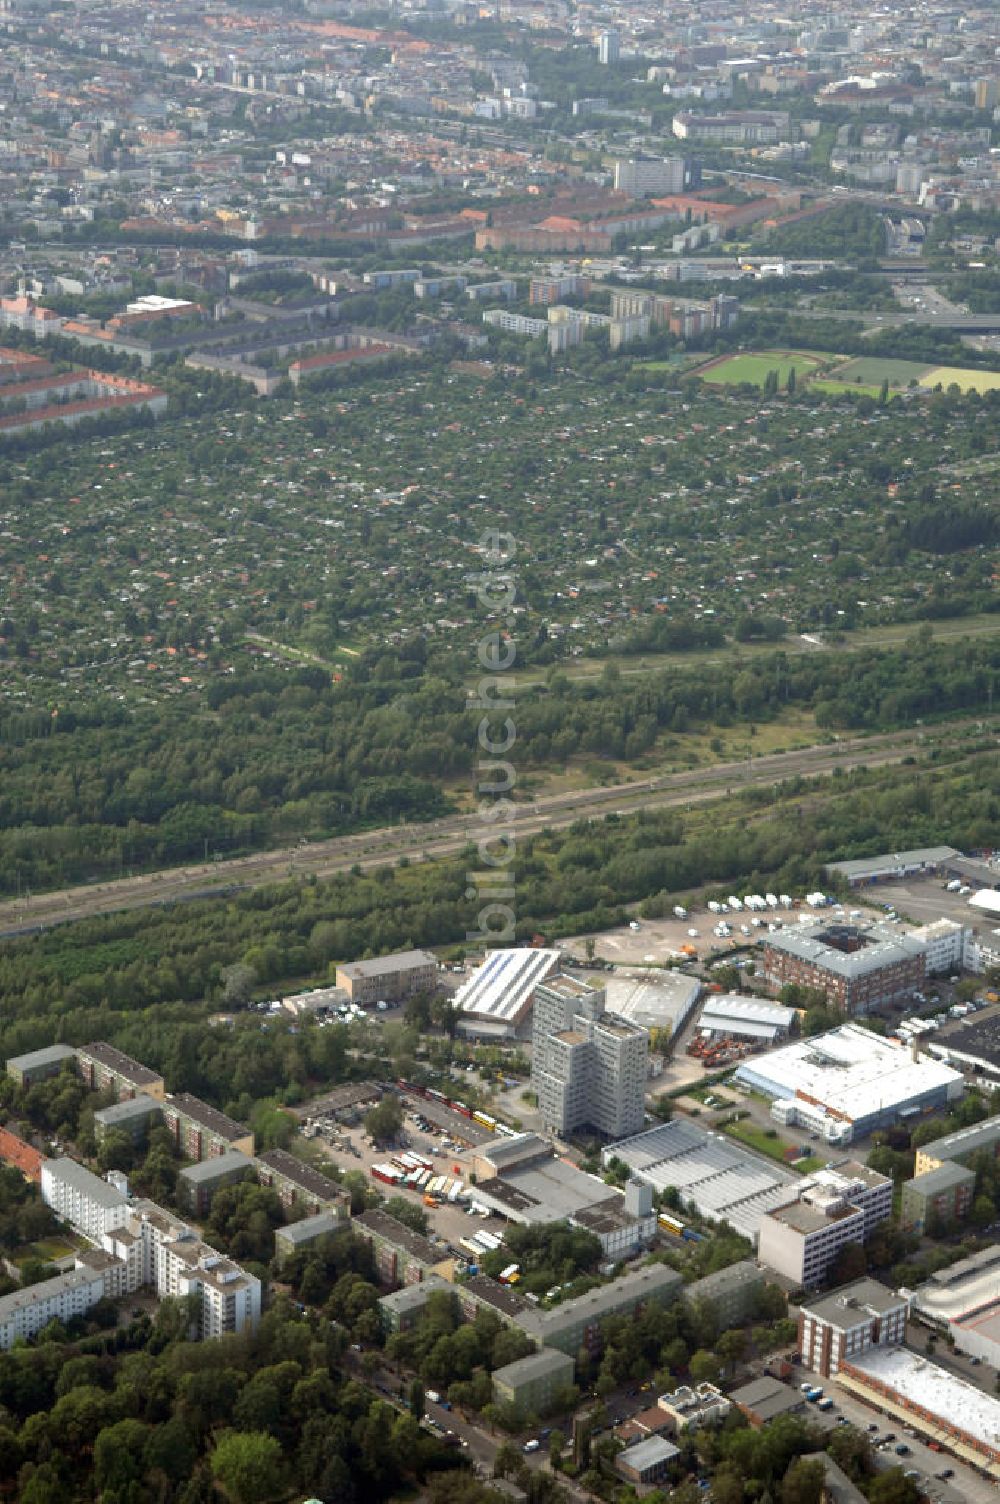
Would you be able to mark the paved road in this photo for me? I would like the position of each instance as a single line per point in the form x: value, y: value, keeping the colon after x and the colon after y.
x: 961, y: 323
x: 446, y: 836
x: 480, y: 1445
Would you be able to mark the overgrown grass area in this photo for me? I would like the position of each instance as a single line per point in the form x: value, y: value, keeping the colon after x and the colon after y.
x: 768, y: 1141
x: 45, y: 1250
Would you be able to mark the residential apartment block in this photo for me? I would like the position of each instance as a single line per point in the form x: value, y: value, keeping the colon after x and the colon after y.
x: 402, y: 1309
x: 390, y: 979
x: 515, y: 323
x: 39, y: 1065
x: 25, y: 1312
x: 104, y: 1068
x: 198, y: 1184
x: 202, y: 1132
x: 577, y: 1323
x: 402, y: 1256
x: 937, y: 1197
x: 138, y: 1244
x: 642, y: 177
x: 82, y: 1199
x: 959, y: 1146
x: 299, y: 1187
x: 685, y: 317
x: 535, y: 1381
x: 229, y: 1298
x: 588, y: 1066
x: 732, y: 1292
x: 546, y: 290
x: 134, y: 1116
x: 295, y: 1236
x: 842, y: 1326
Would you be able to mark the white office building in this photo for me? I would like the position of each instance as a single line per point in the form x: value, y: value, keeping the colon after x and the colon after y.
x: 802, y: 1239
x: 643, y: 177
x: 944, y: 944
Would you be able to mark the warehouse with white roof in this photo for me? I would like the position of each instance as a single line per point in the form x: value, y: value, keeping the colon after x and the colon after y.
x: 653, y: 999
x: 848, y: 1082
x: 964, y: 1301
x: 938, y: 1404
x: 496, y: 1001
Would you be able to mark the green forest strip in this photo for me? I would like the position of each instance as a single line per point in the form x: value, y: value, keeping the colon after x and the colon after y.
x: 280, y: 755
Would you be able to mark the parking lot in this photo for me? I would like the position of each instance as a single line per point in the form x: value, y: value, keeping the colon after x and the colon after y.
x: 655, y: 942
x: 965, y: 1484
x: 920, y: 899
x: 351, y: 1149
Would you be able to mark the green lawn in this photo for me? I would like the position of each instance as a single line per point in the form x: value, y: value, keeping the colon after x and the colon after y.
x: 753, y: 368
x: 866, y: 373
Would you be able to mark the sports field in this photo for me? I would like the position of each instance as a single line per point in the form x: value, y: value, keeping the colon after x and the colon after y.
x: 753, y: 368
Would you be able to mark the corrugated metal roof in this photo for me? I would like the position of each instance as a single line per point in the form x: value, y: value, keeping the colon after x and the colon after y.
x: 503, y: 986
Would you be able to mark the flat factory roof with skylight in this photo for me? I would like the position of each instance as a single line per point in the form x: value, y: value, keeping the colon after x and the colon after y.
x: 726, y: 1182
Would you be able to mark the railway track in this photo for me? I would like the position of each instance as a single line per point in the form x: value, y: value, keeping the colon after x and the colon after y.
x: 451, y: 833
